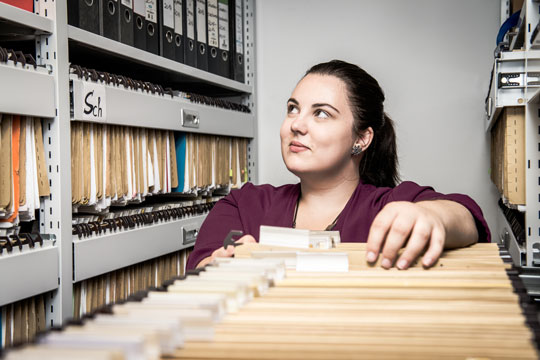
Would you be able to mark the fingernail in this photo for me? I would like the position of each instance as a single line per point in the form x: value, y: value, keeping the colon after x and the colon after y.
x: 371, y: 256
x: 427, y: 261
x: 402, y: 264
x: 386, y: 263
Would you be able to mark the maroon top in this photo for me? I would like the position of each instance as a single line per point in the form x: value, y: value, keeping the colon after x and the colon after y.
x: 251, y: 206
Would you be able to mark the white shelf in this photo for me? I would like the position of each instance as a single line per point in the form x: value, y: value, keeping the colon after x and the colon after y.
x: 135, y: 108
x: 26, y: 91
x: 40, y: 24
x: 28, y: 272
x: 101, y: 254
x: 136, y: 55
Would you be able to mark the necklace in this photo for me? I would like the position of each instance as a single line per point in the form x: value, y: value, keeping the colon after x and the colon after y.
x: 328, y: 228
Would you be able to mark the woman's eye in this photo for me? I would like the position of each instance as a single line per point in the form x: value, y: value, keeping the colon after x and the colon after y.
x: 291, y: 109
x: 322, y: 114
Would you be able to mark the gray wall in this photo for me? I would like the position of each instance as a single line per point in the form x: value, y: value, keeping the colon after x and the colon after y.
x: 432, y: 58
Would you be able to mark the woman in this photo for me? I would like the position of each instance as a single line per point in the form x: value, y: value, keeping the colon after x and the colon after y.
x: 337, y: 139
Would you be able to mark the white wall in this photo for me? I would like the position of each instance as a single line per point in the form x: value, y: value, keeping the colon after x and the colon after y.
x: 432, y: 58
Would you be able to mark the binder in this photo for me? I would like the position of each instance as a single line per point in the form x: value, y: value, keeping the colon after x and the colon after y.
x: 139, y: 24
x: 200, y: 35
x: 224, y: 39
x: 152, y: 31
x: 126, y: 22
x: 213, y: 36
x: 179, y: 39
x: 237, y: 37
x: 190, y: 53
x: 27, y: 5
x: 166, y: 29
x: 110, y: 19
x: 84, y: 15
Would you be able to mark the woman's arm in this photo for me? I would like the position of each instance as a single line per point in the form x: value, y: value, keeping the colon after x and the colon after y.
x: 431, y: 224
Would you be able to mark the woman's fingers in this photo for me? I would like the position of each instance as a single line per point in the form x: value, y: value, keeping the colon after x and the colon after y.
x: 246, y: 239
x: 420, y: 236
x: 436, y: 246
x: 377, y: 233
x: 397, y: 237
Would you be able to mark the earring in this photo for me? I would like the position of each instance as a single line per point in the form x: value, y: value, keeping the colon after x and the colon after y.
x: 356, y: 150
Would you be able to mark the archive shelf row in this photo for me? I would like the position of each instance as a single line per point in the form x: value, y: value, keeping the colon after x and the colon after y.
x: 53, y: 94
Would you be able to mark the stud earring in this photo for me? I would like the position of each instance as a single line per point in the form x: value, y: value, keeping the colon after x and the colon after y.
x: 356, y: 150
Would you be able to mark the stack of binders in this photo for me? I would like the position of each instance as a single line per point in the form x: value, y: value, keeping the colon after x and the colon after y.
x: 206, y: 34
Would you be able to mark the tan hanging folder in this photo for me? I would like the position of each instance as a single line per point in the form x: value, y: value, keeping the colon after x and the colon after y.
x: 234, y: 161
x: 75, y: 163
x: 22, y: 164
x: 108, y: 165
x: 174, y: 168
x: 86, y: 164
x: 98, y: 134
x: 140, y: 160
x: 159, y: 148
x: 124, y: 152
x: 43, y: 180
x: 15, y: 142
x: 200, y: 159
x: 166, y: 165
x: 5, y: 164
x: 117, y: 162
x: 136, y: 159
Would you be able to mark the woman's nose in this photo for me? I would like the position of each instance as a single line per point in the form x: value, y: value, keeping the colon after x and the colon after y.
x: 299, y: 124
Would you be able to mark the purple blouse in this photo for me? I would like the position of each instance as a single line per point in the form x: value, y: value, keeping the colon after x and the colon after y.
x: 251, y: 206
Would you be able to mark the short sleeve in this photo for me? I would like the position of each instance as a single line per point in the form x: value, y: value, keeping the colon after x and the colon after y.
x: 410, y: 191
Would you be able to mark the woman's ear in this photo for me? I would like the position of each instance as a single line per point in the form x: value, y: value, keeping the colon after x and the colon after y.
x: 364, y: 138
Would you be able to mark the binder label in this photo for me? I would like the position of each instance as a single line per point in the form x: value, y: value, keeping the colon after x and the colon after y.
x: 151, y: 10
x: 201, y: 21
x: 139, y: 7
x: 239, y: 26
x: 128, y: 3
x: 168, y: 13
x: 178, y: 17
x: 190, y: 4
x: 212, y: 23
x: 94, y: 102
x: 224, y: 25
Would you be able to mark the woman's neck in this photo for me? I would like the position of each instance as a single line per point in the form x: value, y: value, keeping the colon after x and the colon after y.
x: 330, y: 194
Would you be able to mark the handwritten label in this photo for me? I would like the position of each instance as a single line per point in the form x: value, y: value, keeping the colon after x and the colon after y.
x: 224, y: 25
x: 178, y: 17
x: 151, y: 10
x: 190, y: 9
x: 201, y: 21
x: 168, y: 13
x: 239, y: 28
x: 94, y: 102
x: 212, y: 23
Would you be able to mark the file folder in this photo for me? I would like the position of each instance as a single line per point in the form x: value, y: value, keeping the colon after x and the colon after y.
x: 190, y: 53
x: 201, y: 35
x: 110, y: 19
x: 213, y: 36
x: 179, y: 39
x: 152, y: 30
x: 139, y: 24
x: 224, y: 39
x: 84, y: 15
x: 126, y: 22
x: 237, y: 36
x: 166, y: 28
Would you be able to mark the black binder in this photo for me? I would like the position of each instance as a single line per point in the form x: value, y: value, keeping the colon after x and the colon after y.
x: 126, y: 22
x: 237, y: 39
x: 213, y: 35
x: 190, y: 53
x: 179, y: 39
x: 110, y: 19
x: 224, y: 39
x: 166, y: 28
x: 201, y: 34
x: 152, y: 30
x: 84, y: 14
x: 139, y: 24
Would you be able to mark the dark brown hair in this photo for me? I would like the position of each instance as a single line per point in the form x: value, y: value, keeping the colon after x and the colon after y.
x: 379, y: 163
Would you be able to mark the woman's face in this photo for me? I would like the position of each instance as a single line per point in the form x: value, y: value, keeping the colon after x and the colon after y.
x: 317, y: 136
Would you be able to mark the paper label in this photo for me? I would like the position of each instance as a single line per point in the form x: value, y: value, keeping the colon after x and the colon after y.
x: 178, y: 23
x: 322, y: 262
x: 190, y: 9
x: 168, y: 13
x: 201, y: 21
x: 239, y: 27
x: 151, y: 10
x: 128, y: 3
x: 94, y: 102
x: 139, y: 7
x: 224, y: 25
x: 213, y: 23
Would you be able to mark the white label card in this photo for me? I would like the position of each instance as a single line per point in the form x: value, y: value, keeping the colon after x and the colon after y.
x: 322, y: 262
x: 168, y: 13
x: 239, y: 28
x: 213, y: 23
x: 224, y: 25
x: 94, y: 102
x: 178, y: 23
x: 201, y: 21
x: 128, y: 3
x: 151, y: 10
x: 190, y: 5
x: 139, y: 7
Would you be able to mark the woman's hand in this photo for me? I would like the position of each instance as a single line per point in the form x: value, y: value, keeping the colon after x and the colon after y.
x: 431, y: 225
x: 229, y: 252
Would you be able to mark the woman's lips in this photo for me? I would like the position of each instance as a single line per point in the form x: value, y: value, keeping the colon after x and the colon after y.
x: 297, y: 147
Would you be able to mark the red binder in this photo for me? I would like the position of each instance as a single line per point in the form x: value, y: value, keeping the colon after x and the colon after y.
x: 27, y: 5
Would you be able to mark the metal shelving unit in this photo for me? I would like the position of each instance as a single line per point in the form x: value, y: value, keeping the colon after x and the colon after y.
x: 55, y: 267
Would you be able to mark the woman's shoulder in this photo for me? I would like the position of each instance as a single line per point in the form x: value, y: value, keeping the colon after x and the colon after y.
x: 265, y: 192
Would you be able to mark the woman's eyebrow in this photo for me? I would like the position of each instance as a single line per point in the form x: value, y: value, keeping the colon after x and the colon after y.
x: 324, y: 104
x: 294, y: 101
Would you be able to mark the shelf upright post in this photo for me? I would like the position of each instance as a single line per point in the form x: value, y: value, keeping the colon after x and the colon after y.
x: 55, y: 210
x: 532, y: 178
x: 251, y: 100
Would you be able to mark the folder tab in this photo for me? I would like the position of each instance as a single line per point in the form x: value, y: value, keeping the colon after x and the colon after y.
x: 190, y: 54
x: 200, y: 34
x: 179, y: 40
